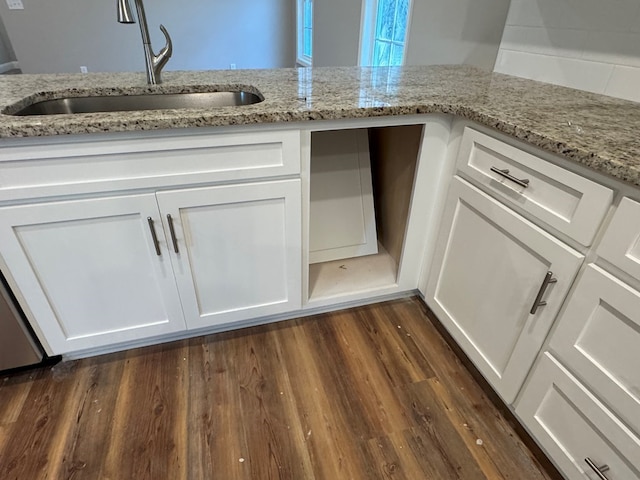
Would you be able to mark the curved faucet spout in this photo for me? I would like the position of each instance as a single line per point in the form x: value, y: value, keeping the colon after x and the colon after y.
x: 163, y: 56
x: 154, y: 62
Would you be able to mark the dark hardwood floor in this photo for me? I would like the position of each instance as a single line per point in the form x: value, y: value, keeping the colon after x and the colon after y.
x: 368, y: 393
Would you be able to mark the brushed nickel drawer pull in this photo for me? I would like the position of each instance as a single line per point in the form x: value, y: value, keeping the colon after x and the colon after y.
x: 173, y: 233
x: 505, y: 173
x: 154, y: 236
x: 548, y: 280
x: 599, y: 470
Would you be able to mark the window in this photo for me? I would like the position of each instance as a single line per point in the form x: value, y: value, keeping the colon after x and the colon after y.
x: 304, y: 44
x: 384, y: 32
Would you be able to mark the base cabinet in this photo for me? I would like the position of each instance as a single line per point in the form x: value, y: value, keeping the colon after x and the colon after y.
x: 97, y: 272
x: 579, y: 433
x: 490, y: 268
x: 89, y: 270
x: 237, y: 250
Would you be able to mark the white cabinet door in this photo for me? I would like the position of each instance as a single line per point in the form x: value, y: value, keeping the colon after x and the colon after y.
x: 489, y: 268
x: 89, y: 270
x: 598, y: 337
x: 342, y: 220
x: 575, y: 429
x: 238, y: 250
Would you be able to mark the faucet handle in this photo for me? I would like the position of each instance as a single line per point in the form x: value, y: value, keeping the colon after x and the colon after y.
x: 164, y: 55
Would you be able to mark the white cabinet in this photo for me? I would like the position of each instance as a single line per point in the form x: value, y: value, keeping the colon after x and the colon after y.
x: 96, y: 272
x: 621, y: 242
x: 89, y: 271
x: 575, y: 428
x: 92, y: 276
x: 583, y: 398
x: 563, y: 200
x: 598, y: 337
x: 237, y: 251
x: 491, y: 266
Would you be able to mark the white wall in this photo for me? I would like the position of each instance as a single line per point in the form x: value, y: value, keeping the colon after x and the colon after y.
x: 60, y: 36
x: 456, y: 32
x: 6, y: 52
x: 592, y: 45
x: 441, y: 32
x: 336, y: 32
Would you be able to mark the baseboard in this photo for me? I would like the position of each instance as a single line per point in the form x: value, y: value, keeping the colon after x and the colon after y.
x: 254, y: 322
x: 5, y: 67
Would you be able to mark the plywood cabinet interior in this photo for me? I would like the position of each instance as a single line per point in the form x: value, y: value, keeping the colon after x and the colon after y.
x: 393, y: 153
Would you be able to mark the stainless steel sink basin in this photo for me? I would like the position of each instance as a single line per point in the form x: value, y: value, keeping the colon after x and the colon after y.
x: 128, y: 103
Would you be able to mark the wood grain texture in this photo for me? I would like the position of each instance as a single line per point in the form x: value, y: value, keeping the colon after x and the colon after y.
x: 394, y: 156
x: 367, y: 393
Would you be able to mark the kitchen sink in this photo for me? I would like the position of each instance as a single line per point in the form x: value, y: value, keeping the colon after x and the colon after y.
x: 129, y: 103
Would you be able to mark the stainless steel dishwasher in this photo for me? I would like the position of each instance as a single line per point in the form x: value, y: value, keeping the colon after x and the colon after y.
x: 18, y: 348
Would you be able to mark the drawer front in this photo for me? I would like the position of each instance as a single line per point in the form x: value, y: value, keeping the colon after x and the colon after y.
x: 565, y: 201
x: 598, y: 337
x: 126, y: 163
x: 621, y: 242
x: 572, y: 426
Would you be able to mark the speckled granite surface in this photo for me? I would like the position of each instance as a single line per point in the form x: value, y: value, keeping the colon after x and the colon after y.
x: 597, y: 131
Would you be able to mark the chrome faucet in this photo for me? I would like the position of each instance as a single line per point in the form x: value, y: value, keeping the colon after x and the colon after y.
x: 155, y: 63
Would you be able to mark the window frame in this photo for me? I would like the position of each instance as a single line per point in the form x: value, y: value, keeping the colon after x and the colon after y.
x: 368, y: 32
x: 302, y: 59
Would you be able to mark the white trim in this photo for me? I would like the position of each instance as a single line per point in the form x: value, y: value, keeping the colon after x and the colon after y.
x: 367, y: 30
x: 5, y: 67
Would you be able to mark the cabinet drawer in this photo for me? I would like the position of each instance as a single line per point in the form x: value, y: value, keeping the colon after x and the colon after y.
x: 621, y: 242
x: 563, y: 200
x: 598, y: 337
x: 63, y: 168
x: 572, y: 425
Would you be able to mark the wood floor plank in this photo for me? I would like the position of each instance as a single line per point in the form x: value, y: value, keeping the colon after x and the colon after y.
x: 324, y: 405
x: 509, y: 456
x: 434, y: 440
x: 149, y: 434
x: 33, y: 451
x: 14, y: 391
x: 368, y: 393
x: 364, y: 375
x: 94, y: 413
x: 393, y: 459
x: 403, y: 361
x: 271, y: 425
x: 217, y: 436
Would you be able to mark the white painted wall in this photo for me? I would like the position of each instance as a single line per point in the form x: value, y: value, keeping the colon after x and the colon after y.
x: 440, y: 32
x: 6, y: 52
x: 456, y: 32
x: 336, y: 32
x: 60, y: 36
x: 592, y: 45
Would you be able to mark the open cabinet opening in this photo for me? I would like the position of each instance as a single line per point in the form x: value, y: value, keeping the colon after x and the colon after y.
x: 361, y: 182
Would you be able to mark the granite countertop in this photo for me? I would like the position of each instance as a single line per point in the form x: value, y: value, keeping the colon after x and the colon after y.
x: 594, y: 130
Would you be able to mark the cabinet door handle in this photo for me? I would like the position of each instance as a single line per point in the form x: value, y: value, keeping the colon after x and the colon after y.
x: 505, y: 173
x: 599, y: 470
x: 154, y: 236
x: 174, y: 240
x: 548, y: 280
